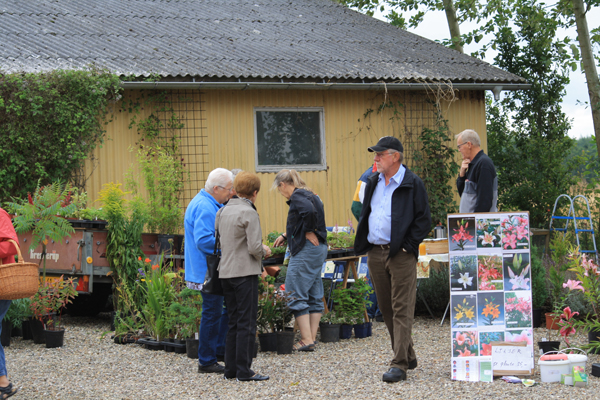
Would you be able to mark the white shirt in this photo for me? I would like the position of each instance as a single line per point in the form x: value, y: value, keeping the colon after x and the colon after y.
x: 380, y: 219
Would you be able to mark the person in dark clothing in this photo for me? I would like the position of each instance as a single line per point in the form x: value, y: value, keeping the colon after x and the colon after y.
x: 477, y: 182
x: 306, y: 235
x: 395, y: 219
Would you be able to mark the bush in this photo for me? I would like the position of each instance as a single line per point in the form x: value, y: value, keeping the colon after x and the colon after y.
x: 435, y: 290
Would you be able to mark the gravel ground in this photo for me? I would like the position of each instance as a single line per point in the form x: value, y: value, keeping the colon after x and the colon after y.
x: 91, y: 366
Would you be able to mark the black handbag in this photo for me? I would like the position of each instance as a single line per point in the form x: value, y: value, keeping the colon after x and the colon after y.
x: 212, y: 283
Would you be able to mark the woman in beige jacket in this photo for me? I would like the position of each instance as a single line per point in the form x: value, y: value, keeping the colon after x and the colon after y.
x: 241, y: 263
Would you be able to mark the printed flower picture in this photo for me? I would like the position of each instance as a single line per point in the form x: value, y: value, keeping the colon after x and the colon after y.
x: 489, y: 233
x: 464, y: 310
x: 465, y: 344
x: 462, y: 234
x: 489, y: 272
x: 515, y: 232
x: 485, y: 338
x: 519, y: 335
x: 517, y: 271
x: 463, y: 273
x: 517, y: 306
x: 490, y: 309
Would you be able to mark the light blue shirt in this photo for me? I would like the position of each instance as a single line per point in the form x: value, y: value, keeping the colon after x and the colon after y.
x: 380, y: 219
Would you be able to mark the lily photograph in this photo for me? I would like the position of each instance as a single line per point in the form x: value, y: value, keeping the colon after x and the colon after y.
x: 517, y: 306
x: 465, y: 344
x: 489, y: 233
x: 463, y: 270
x: 464, y: 311
x: 517, y: 271
x: 490, y: 310
x: 462, y: 234
x: 485, y: 340
x: 515, y: 232
x: 489, y: 272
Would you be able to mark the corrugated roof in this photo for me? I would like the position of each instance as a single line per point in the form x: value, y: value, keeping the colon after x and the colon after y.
x: 226, y: 39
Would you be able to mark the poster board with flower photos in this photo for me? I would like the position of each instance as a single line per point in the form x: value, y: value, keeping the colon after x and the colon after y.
x: 490, y: 289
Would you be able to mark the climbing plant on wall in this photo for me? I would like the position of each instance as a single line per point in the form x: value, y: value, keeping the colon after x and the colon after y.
x: 49, y: 124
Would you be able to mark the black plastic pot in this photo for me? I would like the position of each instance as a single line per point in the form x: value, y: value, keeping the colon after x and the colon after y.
x: 345, y: 331
x: 285, y: 342
x: 329, y: 332
x: 369, y: 328
x: 361, y: 330
x: 54, y: 338
x: 152, y: 344
x: 179, y: 346
x: 26, y: 329
x: 594, y: 336
x: 168, y: 345
x: 268, y: 341
x: 16, y: 332
x: 192, y: 348
x: 549, y: 346
x: 37, y: 331
x: 5, y: 336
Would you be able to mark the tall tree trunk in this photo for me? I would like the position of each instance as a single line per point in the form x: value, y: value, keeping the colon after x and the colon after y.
x: 453, y: 24
x: 589, y: 66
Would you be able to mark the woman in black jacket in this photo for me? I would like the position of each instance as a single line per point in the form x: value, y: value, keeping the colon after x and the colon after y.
x: 306, y: 235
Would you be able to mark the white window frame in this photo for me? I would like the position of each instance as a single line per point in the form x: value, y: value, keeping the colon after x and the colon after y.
x: 299, y: 167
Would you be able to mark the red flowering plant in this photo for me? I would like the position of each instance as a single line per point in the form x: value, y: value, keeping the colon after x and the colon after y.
x: 462, y: 236
x: 50, y: 300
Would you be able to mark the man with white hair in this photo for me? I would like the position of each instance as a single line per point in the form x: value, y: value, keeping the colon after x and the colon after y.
x: 477, y: 182
x: 199, y: 241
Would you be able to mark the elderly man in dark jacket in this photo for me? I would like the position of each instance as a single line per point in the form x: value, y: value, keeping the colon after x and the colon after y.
x: 395, y: 219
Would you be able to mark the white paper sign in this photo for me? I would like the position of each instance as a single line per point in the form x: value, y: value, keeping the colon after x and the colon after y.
x: 512, y: 358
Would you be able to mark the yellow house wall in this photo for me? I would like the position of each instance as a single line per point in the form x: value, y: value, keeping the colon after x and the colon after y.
x: 224, y: 124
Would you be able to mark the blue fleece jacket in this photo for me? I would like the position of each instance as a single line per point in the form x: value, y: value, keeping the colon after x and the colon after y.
x: 199, y: 226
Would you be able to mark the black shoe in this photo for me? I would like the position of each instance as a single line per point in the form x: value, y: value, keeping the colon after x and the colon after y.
x: 379, y: 318
x: 394, y: 375
x: 221, y: 357
x: 255, y: 377
x: 215, y: 368
x: 412, y: 364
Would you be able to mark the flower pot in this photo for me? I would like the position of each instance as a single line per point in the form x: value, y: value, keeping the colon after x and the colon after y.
x: 178, y: 244
x: 593, y: 336
x: 369, y: 329
x: 552, y: 322
x: 16, y: 332
x: 537, y: 317
x: 191, y: 347
x: 37, y: 331
x: 360, y: 330
x: 548, y: 346
x: 345, y: 331
x: 329, y: 332
x: 5, y: 336
x: 26, y: 329
x: 285, y: 342
x: 54, y: 338
x: 152, y: 344
x: 168, y: 345
x: 268, y: 341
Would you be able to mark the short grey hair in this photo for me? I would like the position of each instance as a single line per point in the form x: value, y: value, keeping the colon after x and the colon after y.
x: 392, y: 151
x: 218, y: 177
x: 235, y: 171
x: 469, y: 135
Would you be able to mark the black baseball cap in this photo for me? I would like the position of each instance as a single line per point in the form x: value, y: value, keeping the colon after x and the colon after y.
x: 387, y: 142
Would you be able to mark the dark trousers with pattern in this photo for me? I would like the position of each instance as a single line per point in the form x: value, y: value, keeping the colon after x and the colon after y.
x: 395, y: 282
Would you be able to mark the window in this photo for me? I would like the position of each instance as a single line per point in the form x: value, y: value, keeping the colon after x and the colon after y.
x: 289, y: 138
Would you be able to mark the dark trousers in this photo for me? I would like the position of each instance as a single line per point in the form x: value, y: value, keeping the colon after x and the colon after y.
x: 395, y: 282
x: 241, y: 298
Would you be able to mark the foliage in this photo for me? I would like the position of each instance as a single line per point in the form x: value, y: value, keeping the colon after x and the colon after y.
x: 124, y: 238
x: 270, y: 240
x: 340, y: 240
x: 52, y: 297
x: 50, y: 122
x: 19, y: 310
x: 557, y: 266
x: 350, y: 303
x: 185, y: 313
x: 266, y: 305
x: 282, y: 315
x: 41, y: 214
x: 436, y: 166
x: 434, y: 290
x: 331, y: 317
x: 539, y: 292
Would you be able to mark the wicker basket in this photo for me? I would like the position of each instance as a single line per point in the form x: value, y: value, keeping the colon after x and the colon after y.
x: 18, y: 280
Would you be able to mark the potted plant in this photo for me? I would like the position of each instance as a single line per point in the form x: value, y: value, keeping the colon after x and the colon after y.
x: 538, y: 286
x: 350, y: 305
x: 184, y: 316
x: 557, y: 266
x: 47, y: 306
x: 265, y: 317
x: 282, y: 316
x: 16, y: 315
x: 330, y: 327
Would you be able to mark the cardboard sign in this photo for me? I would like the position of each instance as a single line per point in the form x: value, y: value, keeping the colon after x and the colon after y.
x: 512, y: 358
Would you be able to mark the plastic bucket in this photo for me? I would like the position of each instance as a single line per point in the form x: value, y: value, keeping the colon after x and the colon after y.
x: 576, y: 360
x: 552, y: 370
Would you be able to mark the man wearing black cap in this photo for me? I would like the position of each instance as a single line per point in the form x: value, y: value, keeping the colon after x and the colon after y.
x: 394, y: 220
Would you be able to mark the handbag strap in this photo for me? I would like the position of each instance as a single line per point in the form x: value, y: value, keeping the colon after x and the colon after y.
x: 217, y: 236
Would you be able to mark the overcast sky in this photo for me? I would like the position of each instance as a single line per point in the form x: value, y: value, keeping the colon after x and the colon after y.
x: 435, y: 27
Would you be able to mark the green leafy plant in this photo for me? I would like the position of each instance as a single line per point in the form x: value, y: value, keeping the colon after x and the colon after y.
x: 51, y: 122
x: 282, y: 315
x: 19, y: 310
x: 350, y: 303
x: 265, y: 317
x: 270, y: 240
x: 340, y: 240
x: 42, y: 214
x: 331, y: 317
x: 184, y: 315
x: 539, y: 295
x: 51, y: 298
